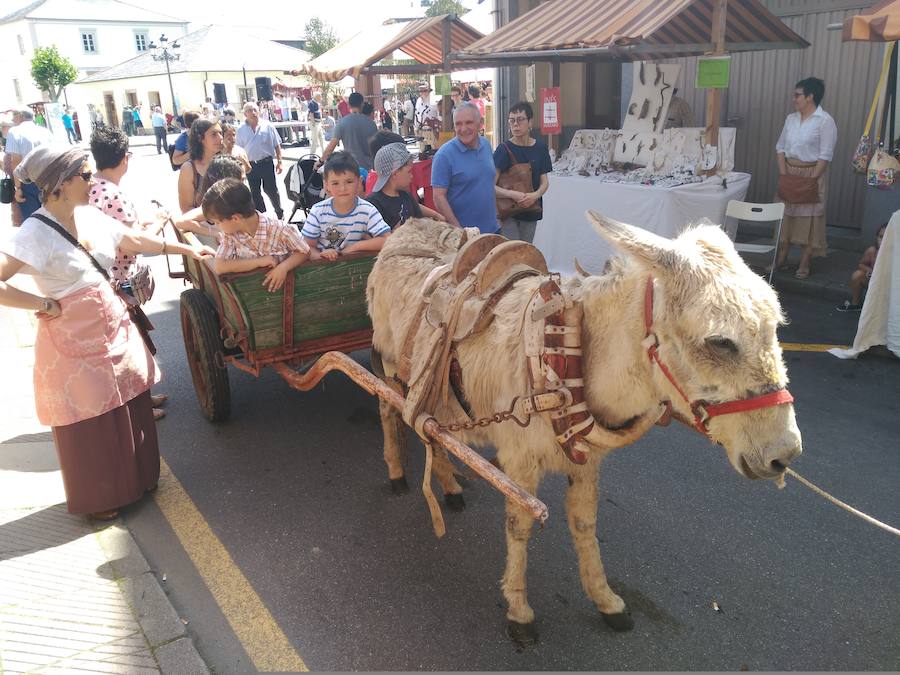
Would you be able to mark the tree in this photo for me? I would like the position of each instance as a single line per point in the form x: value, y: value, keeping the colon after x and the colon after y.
x: 51, y: 71
x: 320, y: 37
x: 441, y: 7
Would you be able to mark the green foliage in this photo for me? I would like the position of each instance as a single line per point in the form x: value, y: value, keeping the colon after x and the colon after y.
x: 51, y: 71
x: 440, y: 7
x: 320, y: 37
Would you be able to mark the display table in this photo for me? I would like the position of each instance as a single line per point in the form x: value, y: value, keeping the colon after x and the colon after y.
x: 565, y: 232
x: 879, y: 321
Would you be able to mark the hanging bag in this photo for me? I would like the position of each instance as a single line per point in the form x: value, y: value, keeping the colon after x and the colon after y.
x: 7, y: 190
x: 884, y: 168
x: 140, y: 320
x: 517, y: 177
x: 866, y: 146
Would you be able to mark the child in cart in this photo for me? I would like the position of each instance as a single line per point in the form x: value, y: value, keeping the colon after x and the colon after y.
x: 250, y: 239
x: 343, y: 223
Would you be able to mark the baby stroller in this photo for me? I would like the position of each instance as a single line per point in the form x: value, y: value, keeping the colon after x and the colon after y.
x: 304, y: 185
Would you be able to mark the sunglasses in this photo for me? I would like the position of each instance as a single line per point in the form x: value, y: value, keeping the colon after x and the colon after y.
x: 86, y: 176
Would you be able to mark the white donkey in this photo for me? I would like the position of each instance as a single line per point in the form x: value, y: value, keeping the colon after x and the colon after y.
x: 683, y: 322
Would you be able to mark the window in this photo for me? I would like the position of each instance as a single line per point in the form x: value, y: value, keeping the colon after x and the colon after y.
x: 89, y: 41
x: 141, y: 40
x: 246, y: 93
x: 18, y: 90
x: 21, y: 45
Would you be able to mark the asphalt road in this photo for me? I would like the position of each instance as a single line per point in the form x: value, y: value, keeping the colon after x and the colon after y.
x: 294, y: 487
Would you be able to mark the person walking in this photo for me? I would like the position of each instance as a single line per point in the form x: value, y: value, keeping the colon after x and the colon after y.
x: 805, y: 148
x: 263, y: 146
x: 159, y: 130
x: 92, y: 369
x: 136, y: 116
x: 69, y: 125
x: 21, y: 140
x: 521, y: 148
x: 463, y: 174
x: 354, y: 131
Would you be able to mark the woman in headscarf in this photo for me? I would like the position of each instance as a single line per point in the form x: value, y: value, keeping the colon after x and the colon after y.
x: 92, y: 370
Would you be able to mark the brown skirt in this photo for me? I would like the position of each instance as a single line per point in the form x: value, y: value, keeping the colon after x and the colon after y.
x: 110, y: 460
x: 804, y: 224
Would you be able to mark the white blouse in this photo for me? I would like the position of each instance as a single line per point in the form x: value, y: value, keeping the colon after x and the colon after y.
x: 809, y: 140
x: 59, y: 269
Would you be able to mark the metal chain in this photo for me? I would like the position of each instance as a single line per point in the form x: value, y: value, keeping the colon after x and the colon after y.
x: 496, y: 418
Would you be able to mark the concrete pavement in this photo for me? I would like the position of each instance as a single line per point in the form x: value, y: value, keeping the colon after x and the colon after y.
x: 74, y: 595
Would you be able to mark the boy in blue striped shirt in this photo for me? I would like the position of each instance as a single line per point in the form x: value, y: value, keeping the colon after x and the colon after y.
x: 343, y: 223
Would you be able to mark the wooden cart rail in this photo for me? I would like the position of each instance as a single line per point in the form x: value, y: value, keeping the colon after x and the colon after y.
x: 376, y: 387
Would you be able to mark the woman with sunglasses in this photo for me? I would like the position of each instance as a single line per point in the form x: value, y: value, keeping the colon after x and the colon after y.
x: 92, y: 369
x: 521, y: 148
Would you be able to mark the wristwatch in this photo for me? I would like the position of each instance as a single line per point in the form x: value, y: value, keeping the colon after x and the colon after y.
x: 46, y: 305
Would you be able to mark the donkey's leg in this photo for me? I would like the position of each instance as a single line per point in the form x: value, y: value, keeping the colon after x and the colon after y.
x: 443, y: 471
x: 581, y: 511
x: 394, y: 446
x: 519, y: 523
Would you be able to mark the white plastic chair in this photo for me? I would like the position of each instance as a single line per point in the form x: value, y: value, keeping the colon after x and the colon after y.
x: 758, y: 213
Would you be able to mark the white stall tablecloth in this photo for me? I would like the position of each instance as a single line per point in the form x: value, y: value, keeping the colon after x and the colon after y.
x: 565, y: 232
x: 879, y: 322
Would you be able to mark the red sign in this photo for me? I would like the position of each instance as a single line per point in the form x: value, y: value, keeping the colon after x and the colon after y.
x: 551, y: 115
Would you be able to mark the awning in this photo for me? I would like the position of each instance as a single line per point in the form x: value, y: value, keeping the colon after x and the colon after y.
x: 421, y: 39
x: 630, y: 30
x: 880, y: 23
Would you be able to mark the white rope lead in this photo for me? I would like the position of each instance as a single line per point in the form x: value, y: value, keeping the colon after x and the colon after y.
x: 838, y: 502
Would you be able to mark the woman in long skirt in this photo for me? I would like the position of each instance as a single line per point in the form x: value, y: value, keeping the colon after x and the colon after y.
x: 805, y: 148
x: 92, y: 372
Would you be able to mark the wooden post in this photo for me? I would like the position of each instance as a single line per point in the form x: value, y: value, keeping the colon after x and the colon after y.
x: 446, y: 102
x: 714, y: 96
x: 553, y: 140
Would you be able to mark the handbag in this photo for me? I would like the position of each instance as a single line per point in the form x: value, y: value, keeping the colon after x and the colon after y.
x: 517, y: 177
x: 7, y: 190
x: 141, y: 282
x: 883, y: 168
x: 866, y: 146
x: 138, y: 317
x: 798, y: 189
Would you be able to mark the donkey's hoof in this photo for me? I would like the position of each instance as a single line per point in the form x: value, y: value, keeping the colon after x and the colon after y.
x: 455, y: 502
x: 618, y: 622
x: 523, y: 634
x: 399, y: 486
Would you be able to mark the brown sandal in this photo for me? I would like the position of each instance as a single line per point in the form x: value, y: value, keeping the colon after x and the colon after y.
x: 112, y: 514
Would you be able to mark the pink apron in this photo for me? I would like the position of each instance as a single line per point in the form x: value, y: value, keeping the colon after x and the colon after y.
x: 89, y: 360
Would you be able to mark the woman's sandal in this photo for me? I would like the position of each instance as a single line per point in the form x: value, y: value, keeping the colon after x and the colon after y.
x: 801, y: 273
x: 156, y: 400
x: 158, y: 414
x: 112, y: 514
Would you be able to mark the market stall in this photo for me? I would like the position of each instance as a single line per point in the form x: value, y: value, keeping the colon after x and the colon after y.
x: 642, y: 173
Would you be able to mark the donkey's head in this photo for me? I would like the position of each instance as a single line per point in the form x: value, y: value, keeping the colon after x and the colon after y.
x: 715, y: 321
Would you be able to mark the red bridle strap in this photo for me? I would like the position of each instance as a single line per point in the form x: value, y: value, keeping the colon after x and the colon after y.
x: 703, y: 412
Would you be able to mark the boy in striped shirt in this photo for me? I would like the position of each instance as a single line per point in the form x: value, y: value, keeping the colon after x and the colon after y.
x: 343, y: 223
x: 251, y: 240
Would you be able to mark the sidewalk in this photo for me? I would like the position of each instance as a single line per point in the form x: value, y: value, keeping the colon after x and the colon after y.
x: 74, y: 595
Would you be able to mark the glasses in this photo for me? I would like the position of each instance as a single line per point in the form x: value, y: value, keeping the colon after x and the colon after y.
x: 86, y: 176
x: 517, y: 120
x: 799, y: 94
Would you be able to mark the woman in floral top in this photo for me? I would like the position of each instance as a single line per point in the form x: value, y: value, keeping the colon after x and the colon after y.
x: 109, y: 145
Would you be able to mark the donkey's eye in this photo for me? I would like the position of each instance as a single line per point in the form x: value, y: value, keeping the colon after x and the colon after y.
x: 722, y: 343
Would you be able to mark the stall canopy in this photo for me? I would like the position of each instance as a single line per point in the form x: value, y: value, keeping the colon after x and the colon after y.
x: 428, y: 41
x: 880, y: 23
x: 626, y: 30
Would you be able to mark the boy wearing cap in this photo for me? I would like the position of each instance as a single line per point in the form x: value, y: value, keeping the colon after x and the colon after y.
x: 391, y: 192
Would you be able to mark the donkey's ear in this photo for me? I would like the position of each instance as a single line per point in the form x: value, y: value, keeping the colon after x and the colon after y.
x: 649, y: 248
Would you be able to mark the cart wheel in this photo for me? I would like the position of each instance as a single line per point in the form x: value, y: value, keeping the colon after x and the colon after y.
x: 200, y: 327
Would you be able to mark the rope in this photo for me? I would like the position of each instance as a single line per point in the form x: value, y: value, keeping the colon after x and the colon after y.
x: 838, y: 502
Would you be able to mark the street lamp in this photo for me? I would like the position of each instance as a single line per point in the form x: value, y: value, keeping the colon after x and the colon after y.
x: 167, y: 52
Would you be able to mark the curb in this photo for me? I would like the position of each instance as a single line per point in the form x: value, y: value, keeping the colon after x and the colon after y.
x: 828, y: 290
x: 164, y: 630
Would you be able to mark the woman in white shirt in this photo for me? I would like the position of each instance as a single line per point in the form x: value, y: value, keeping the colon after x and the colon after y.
x: 92, y: 370
x: 805, y: 148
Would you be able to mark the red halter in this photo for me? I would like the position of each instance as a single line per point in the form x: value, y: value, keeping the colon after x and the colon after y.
x: 703, y: 411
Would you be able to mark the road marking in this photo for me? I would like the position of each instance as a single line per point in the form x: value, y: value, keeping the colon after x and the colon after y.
x: 800, y: 347
x: 258, y: 632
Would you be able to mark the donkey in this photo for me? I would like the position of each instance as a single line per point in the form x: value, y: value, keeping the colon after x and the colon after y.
x: 682, y: 323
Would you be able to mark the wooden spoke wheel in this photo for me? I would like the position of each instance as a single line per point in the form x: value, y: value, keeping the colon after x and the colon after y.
x: 205, y: 355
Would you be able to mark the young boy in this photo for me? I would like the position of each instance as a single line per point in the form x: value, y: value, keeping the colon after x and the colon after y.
x: 390, y: 194
x: 343, y: 223
x: 860, y: 278
x: 251, y: 239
